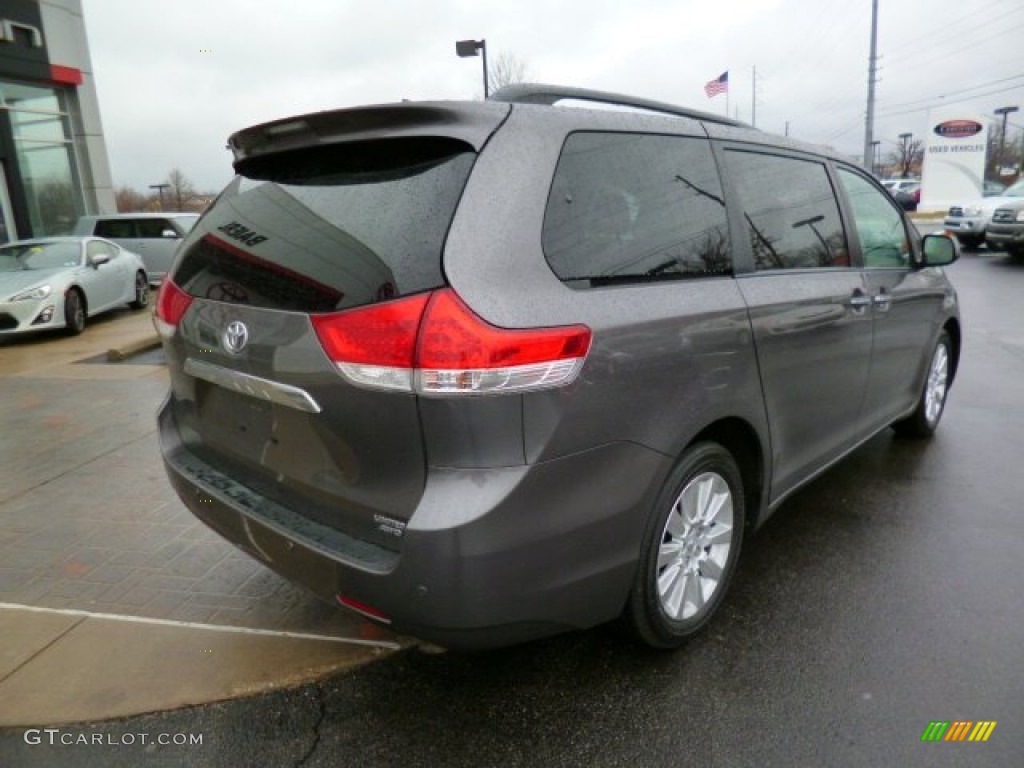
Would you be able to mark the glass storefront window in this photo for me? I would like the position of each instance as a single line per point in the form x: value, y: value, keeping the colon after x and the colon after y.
x: 46, y: 160
x: 29, y: 98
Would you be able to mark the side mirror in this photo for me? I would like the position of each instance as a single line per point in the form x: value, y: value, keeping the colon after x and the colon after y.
x: 96, y: 261
x: 939, y: 249
x: 170, y: 234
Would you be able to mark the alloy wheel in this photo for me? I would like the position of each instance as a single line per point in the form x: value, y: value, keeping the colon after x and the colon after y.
x: 695, y: 545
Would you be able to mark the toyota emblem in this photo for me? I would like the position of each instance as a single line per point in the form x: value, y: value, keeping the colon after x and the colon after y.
x: 235, y: 337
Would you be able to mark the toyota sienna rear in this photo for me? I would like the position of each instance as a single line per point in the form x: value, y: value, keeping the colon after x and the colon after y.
x: 486, y: 371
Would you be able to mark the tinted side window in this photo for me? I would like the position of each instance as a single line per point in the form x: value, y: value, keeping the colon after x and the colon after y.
x: 790, y: 210
x: 883, y: 238
x: 635, y: 208
x: 152, y: 228
x: 115, y: 228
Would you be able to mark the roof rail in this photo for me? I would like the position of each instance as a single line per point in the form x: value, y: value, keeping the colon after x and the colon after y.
x: 538, y: 93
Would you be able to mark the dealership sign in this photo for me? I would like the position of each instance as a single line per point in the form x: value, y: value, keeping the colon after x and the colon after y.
x: 954, y: 158
x: 958, y: 129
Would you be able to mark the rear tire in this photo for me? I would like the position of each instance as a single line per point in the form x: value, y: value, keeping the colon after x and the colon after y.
x: 925, y: 418
x: 74, y: 312
x: 690, y: 548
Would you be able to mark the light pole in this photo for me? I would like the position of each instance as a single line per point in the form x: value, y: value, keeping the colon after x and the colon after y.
x: 160, y: 189
x: 467, y: 48
x: 1004, y: 111
x: 869, y: 118
x: 905, y: 138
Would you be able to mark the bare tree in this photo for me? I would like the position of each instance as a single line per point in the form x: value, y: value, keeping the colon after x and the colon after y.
x: 506, y: 69
x: 1003, y: 153
x: 180, y: 189
x: 907, y: 157
x: 129, y: 200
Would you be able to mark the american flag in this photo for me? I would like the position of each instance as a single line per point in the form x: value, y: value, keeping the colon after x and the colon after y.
x: 719, y: 85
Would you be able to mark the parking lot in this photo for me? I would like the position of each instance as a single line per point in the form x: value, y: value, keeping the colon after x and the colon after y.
x: 89, y: 525
x: 88, y: 520
x: 883, y: 596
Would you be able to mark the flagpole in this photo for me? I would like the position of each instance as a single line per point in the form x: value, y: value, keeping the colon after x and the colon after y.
x: 727, y: 94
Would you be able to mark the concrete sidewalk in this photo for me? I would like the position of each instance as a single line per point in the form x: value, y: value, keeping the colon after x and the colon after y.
x: 114, y: 599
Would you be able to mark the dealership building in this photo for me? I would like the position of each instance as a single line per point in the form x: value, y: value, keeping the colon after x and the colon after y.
x: 53, y: 160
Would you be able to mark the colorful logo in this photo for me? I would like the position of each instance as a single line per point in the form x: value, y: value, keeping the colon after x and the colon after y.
x: 958, y: 129
x: 958, y: 730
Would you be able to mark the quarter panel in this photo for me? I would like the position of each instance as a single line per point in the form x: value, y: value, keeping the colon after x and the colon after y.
x: 668, y: 358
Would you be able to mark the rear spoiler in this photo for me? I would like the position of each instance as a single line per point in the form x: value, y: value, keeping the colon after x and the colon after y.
x: 469, y: 122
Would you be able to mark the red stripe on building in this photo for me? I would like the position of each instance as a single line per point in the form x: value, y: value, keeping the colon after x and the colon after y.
x: 65, y: 75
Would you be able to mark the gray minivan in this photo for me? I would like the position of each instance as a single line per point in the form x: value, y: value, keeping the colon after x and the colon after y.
x: 154, y: 236
x: 487, y: 371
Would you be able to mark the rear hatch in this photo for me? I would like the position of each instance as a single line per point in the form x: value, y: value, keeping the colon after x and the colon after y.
x: 331, y: 214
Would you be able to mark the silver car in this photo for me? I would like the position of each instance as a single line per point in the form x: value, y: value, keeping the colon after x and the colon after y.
x: 154, y: 236
x: 58, y: 282
x: 968, y: 221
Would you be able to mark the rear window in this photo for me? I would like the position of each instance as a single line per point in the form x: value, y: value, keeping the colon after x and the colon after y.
x: 329, y: 228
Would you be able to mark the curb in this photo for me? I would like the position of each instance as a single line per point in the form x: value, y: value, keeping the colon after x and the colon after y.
x: 122, y: 353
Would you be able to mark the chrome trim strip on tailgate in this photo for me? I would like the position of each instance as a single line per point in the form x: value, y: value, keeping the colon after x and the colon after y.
x: 254, y: 386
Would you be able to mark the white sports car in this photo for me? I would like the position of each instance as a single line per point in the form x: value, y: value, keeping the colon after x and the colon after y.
x: 57, y: 282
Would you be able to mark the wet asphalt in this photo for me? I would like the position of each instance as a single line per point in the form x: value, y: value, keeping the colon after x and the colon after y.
x: 884, y: 596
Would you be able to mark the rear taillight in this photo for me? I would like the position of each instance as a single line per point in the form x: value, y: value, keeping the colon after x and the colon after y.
x: 434, y: 344
x: 171, y: 305
x: 375, y: 346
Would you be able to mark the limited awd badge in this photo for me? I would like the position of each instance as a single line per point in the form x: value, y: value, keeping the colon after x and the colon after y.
x: 235, y: 337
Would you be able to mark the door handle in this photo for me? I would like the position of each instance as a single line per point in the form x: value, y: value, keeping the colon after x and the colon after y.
x: 883, y: 300
x: 859, y: 302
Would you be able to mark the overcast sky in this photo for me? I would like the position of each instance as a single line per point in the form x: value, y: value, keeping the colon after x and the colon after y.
x: 176, y: 78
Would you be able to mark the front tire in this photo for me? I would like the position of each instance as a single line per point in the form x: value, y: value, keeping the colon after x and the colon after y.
x: 141, y: 300
x: 74, y: 312
x: 690, y: 549
x: 970, y: 242
x: 925, y: 418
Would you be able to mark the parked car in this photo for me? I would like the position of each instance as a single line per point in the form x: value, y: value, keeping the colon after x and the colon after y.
x: 1006, y: 229
x: 901, y: 185
x: 486, y: 371
x: 970, y: 220
x: 992, y: 188
x: 154, y: 236
x: 59, y: 282
x: 908, y: 196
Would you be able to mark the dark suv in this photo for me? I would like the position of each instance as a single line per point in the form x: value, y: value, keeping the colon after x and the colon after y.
x: 487, y: 371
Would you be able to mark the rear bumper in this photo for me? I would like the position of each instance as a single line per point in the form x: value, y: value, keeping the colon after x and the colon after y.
x: 490, y: 556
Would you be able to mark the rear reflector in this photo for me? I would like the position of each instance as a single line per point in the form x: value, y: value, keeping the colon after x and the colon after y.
x: 171, y: 305
x: 364, y: 609
x: 433, y: 344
